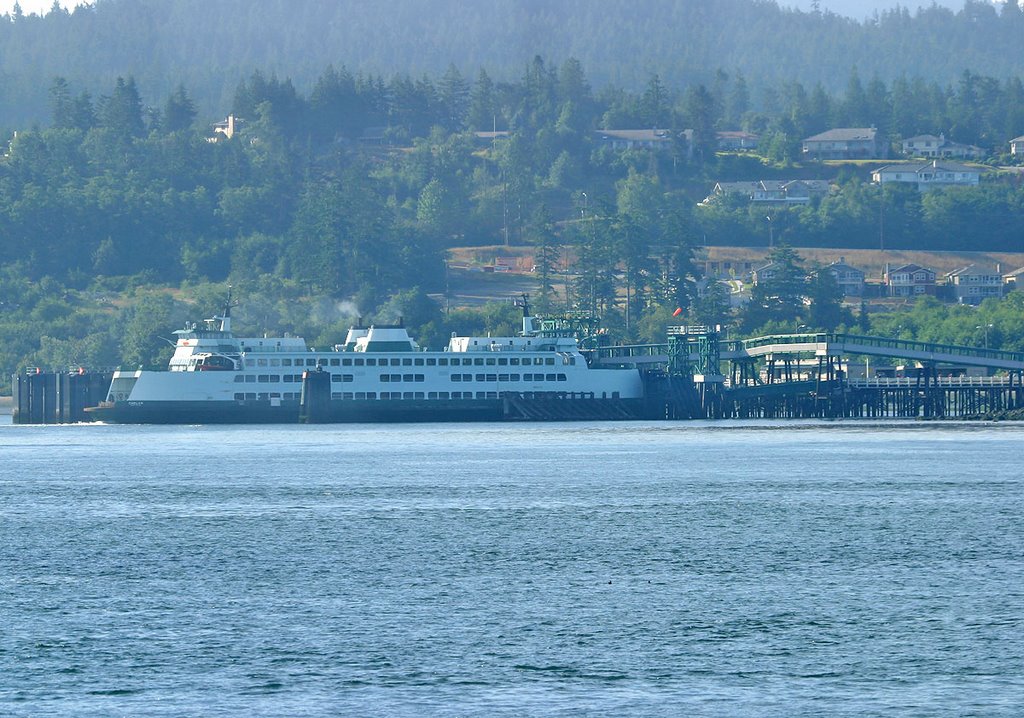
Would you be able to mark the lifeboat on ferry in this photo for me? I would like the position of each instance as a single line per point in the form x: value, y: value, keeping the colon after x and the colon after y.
x: 215, y: 363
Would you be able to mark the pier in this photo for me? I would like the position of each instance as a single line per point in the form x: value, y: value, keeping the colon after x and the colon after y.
x: 697, y: 374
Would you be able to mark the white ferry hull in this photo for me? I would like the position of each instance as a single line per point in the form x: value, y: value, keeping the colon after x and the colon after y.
x: 369, y: 411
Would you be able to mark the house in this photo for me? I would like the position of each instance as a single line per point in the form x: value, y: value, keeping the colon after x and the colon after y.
x: 923, y: 145
x: 1017, y: 145
x: 226, y: 128
x: 635, y: 139
x: 486, y: 138
x: 730, y: 141
x: 845, y: 143
x: 773, y: 192
x: 933, y: 146
x: 727, y: 268
x: 934, y: 174
x: 374, y: 136
x: 955, y: 150
x: 1014, y: 279
x: 850, y: 279
x: 765, y: 273
x: 909, y: 280
x: 973, y: 284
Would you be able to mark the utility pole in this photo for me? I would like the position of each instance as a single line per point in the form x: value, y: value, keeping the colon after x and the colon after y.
x: 881, y: 216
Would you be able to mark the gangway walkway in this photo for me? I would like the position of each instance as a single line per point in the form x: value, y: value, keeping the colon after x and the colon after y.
x: 822, y: 345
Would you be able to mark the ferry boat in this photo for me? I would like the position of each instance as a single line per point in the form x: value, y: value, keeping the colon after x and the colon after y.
x: 379, y: 374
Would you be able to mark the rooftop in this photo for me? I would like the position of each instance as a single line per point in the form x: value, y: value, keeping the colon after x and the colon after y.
x: 845, y: 134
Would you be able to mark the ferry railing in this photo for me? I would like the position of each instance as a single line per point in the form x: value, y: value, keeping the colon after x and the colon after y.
x: 948, y: 382
x: 629, y: 351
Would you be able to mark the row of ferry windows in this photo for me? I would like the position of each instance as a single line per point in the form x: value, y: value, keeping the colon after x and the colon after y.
x: 263, y: 396
x: 345, y: 378
x: 419, y: 361
x: 510, y: 377
x: 393, y: 395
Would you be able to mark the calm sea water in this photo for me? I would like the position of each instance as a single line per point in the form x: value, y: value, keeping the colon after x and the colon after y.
x: 512, y: 570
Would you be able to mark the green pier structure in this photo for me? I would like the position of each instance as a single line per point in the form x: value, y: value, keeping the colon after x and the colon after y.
x: 698, y: 374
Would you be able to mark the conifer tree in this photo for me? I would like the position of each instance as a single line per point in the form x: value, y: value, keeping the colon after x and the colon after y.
x: 179, y: 111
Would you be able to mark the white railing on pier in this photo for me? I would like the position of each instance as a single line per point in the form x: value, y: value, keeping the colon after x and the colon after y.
x: 951, y: 382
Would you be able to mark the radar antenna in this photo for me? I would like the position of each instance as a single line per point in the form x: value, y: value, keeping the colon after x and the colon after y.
x: 225, y: 317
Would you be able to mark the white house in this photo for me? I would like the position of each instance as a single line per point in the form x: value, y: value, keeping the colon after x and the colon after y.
x: 773, y: 192
x: 933, y: 146
x: 923, y: 145
x: 933, y: 174
x: 227, y: 128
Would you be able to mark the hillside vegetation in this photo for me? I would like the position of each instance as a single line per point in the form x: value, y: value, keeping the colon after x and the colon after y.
x: 340, y: 196
x: 211, y: 46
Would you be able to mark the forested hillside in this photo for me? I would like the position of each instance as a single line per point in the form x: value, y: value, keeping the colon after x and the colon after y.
x: 343, y: 188
x: 211, y: 46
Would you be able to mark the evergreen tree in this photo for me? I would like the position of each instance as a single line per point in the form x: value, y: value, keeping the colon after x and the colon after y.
x: 122, y: 110
x: 825, y: 311
x: 62, y: 106
x: 541, y: 236
x: 572, y: 84
x: 654, y: 104
x: 453, y: 94
x: 702, y: 116
x: 738, y: 103
x: 711, y: 307
x: 854, y: 108
x: 179, y: 111
x: 83, y: 116
x: 483, y: 109
x: 778, y: 295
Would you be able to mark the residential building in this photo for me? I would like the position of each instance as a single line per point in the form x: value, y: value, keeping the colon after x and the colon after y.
x: 955, y: 150
x: 936, y: 173
x: 1014, y: 279
x: 845, y: 143
x: 973, y: 284
x: 226, y: 128
x: 776, y: 192
x: 635, y: 139
x: 765, y: 273
x: 728, y: 268
x: 909, y: 280
x: 1017, y: 145
x: 850, y: 279
x: 933, y: 146
x: 733, y: 141
x: 374, y: 136
x: 923, y: 145
x: 486, y: 138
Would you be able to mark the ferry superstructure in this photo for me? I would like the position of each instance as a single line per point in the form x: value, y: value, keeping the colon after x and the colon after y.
x: 378, y: 374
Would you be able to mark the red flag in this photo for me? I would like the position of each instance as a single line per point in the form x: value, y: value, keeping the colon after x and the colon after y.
x: 677, y: 312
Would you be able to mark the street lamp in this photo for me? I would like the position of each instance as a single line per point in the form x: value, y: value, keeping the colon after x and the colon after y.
x: 986, y: 327
x: 771, y: 232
